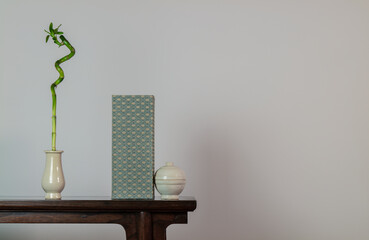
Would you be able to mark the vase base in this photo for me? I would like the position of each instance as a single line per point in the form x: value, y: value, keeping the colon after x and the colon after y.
x: 169, y: 197
x: 53, y: 196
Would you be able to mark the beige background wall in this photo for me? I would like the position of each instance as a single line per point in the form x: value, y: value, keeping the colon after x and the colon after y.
x: 264, y: 104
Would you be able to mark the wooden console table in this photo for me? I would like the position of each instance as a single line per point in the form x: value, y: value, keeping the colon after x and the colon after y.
x: 141, y: 219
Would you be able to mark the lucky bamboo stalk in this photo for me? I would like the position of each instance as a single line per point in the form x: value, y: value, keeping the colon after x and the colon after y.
x: 62, y: 42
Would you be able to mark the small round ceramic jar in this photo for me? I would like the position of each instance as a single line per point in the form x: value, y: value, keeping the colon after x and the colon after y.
x: 170, y: 181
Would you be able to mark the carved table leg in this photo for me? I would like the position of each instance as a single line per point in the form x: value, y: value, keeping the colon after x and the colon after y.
x: 162, y: 220
x: 129, y: 223
x: 138, y: 227
x: 144, y: 226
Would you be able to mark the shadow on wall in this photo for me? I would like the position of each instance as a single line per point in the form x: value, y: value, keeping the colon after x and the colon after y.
x: 234, y: 176
x: 228, y: 189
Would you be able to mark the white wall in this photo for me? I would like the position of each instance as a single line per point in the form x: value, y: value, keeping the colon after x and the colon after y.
x: 264, y: 104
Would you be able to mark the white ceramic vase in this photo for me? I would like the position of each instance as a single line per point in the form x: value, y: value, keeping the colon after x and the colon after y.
x: 170, y: 181
x: 53, y: 179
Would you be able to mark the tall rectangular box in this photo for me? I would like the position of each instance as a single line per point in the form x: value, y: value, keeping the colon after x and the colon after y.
x: 133, y: 147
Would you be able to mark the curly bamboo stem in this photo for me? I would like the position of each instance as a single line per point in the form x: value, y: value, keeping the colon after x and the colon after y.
x: 55, y: 84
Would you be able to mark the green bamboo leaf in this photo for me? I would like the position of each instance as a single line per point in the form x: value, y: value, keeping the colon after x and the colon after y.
x: 46, y: 31
x: 59, y: 33
x: 56, y: 29
x: 47, y: 38
x: 51, y: 27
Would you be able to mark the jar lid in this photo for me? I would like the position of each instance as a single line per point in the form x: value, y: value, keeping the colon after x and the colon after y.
x: 169, y: 171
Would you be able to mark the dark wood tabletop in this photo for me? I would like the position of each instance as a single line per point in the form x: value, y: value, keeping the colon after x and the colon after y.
x: 96, y: 204
x: 141, y: 219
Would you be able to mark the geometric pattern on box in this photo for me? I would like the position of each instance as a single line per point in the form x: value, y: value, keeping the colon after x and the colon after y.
x: 133, y: 147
